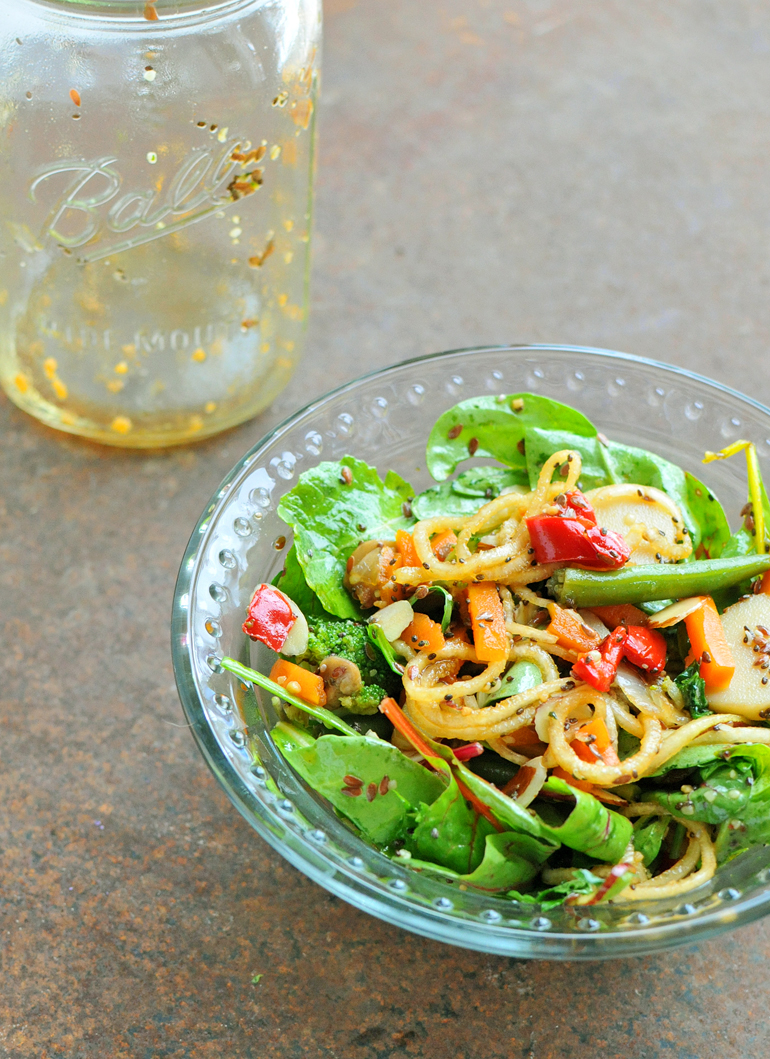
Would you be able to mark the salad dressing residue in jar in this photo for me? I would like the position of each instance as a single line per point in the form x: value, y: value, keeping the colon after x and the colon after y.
x: 154, y: 212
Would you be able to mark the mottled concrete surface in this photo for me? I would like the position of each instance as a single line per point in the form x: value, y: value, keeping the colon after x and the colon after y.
x: 489, y: 171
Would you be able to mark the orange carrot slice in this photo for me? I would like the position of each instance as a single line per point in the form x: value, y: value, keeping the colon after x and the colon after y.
x: 571, y: 631
x: 620, y: 614
x: 405, y: 545
x: 423, y: 634
x: 443, y: 543
x: 592, y: 743
x: 709, y: 644
x: 488, y: 622
x: 305, y: 685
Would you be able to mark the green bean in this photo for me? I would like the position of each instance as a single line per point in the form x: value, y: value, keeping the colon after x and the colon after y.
x: 640, y: 584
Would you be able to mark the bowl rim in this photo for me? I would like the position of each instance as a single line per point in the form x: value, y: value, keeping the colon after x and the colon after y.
x: 304, y: 853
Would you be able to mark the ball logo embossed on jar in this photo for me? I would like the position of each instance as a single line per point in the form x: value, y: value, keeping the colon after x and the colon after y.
x: 206, y: 181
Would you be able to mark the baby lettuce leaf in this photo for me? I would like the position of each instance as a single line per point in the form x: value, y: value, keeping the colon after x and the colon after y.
x: 466, y: 493
x: 582, y: 882
x: 693, y: 689
x: 501, y: 867
x: 591, y: 827
x: 330, y: 518
x: 291, y: 580
x: 536, y: 840
x: 327, y: 762
x: 497, y: 428
x: 707, y: 514
x: 597, y: 465
x: 649, y: 832
x: 743, y: 816
x: 450, y: 832
x: 693, y: 757
x: 524, y: 440
x: 731, y: 788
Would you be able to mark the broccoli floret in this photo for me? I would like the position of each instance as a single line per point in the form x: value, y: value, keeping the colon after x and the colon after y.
x: 349, y: 639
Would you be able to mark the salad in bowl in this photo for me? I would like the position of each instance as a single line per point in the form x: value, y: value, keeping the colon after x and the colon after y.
x: 544, y: 678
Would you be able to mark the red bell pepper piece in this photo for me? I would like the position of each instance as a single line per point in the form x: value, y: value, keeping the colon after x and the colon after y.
x: 645, y: 648
x: 572, y: 536
x: 468, y: 751
x: 575, y: 505
x: 556, y: 539
x: 270, y: 617
x: 600, y: 671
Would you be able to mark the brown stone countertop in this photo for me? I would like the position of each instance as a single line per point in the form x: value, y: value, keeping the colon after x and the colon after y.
x: 490, y: 171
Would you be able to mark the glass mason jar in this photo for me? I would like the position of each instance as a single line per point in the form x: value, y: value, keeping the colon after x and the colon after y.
x: 155, y: 190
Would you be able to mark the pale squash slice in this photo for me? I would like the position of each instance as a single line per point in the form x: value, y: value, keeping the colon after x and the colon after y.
x: 649, y: 520
x: 747, y: 630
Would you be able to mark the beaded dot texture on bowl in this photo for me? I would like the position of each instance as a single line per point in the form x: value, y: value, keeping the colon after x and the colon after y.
x: 385, y: 419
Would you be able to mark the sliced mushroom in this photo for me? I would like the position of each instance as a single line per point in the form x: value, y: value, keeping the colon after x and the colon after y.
x: 363, y: 572
x: 341, y: 678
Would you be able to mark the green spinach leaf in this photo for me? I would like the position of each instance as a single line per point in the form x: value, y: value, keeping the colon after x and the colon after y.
x: 331, y: 517
x: 590, y: 827
x: 609, y: 463
x: 493, y: 428
x: 734, y: 792
x: 693, y: 689
x: 466, y: 493
x: 582, y: 882
x: 597, y: 465
x: 649, y: 832
x: 291, y: 580
x: 501, y: 867
x: 523, y: 440
x: 377, y: 636
x: 381, y: 809
x: 447, y: 603
x: 450, y: 832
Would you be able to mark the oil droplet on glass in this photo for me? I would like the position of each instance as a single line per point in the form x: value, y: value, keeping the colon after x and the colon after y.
x: 121, y: 425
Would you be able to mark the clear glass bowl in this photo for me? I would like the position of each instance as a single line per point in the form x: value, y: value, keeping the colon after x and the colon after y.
x: 385, y: 418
